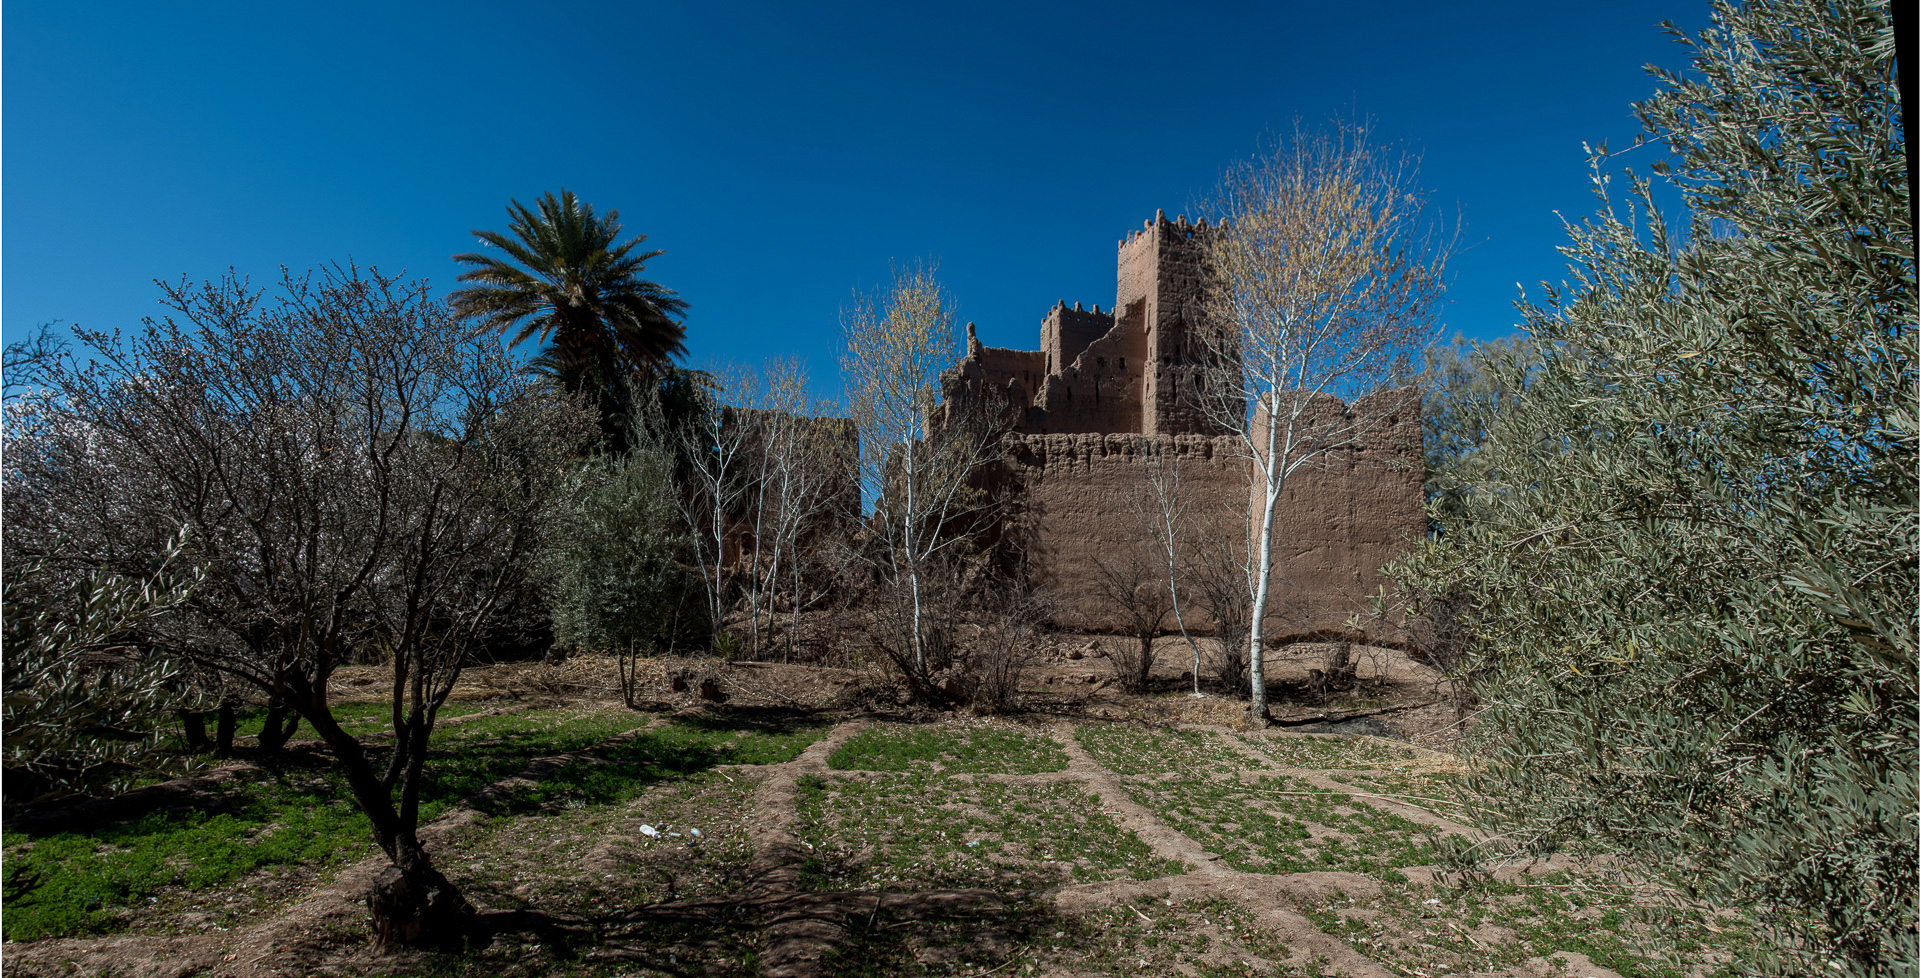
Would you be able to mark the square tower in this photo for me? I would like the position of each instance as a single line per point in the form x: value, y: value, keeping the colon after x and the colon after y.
x: 1158, y: 297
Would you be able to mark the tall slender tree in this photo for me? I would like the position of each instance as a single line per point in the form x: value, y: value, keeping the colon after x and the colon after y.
x: 564, y: 276
x: 1325, y: 272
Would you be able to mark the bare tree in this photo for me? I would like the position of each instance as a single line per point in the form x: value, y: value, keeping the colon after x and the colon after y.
x: 1326, y: 271
x: 813, y: 482
x: 1219, y: 573
x: 1163, y: 512
x: 361, y: 478
x: 1008, y: 623
x: 762, y: 432
x: 800, y: 467
x: 711, y: 469
x: 918, y: 462
x: 1135, y: 594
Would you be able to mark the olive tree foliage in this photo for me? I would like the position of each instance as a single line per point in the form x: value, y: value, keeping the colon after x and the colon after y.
x: 1688, y: 548
x: 84, y: 708
x: 361, y: 479
x: 1462, y: 391
x: 1322, y: 278
x: 617, y: 557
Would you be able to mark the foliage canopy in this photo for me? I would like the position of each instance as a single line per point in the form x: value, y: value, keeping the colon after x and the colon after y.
x: 1687, y: 548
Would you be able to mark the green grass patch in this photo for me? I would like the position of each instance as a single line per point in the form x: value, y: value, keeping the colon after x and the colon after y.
x: 1638, y: 934
x: 918, y: 830
x: 1281, y: 825
x: 589, y: 861
x: 84, y: 882
x: 1442, y: 794
x: 1131, y: 750
x: 79, y: 883
x: 622, y: 771
x: 1333, y: 751
x: 985, y: 750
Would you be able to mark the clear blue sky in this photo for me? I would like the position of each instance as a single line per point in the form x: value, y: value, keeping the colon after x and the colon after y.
x: 782, y: 154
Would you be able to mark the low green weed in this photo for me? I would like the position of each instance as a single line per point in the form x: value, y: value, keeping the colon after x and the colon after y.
x: 622, y: 771
x: 1268, y: 826
x: 1131, y: 750
x: 1331, y: 751
x: 924, y: 831
x: 985, y: 750
x: 1411, y: 930
x: 78, y: 883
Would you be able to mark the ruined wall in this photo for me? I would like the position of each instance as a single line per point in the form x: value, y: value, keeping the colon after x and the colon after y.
x: 1098, y: 393
x: 1066, y: 333
x: 1018, y: 372
x: 1084, y: 497
x: 1346, y: 513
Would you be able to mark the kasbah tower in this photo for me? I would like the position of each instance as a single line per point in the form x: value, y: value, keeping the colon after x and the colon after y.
x: 1110, y: 396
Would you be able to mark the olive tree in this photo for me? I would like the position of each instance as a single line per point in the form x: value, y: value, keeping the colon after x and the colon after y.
x: 83, y: 705
x: 1687, y: 548
x: 617, y: 555
x: 361, y: 479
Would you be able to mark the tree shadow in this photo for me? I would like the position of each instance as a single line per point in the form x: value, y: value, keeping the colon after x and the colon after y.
x: 812, y: 932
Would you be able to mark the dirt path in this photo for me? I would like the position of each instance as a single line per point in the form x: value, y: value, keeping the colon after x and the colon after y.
x: 1268, y: 896
x: 803, y: 930
x: 1328, y: 779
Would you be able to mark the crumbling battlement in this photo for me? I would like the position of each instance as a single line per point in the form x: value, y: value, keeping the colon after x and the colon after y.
x: 1130, y: 369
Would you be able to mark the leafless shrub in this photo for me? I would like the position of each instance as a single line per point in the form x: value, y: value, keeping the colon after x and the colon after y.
x: 1007, y: 636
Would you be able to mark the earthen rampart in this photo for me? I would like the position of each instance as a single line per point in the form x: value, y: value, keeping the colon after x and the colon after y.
x: 1089, y: 498
x: 1113, y: 397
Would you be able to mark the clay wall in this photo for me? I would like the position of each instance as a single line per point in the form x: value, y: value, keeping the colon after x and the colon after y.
x: 1345, y: 514
x: 1065, y: 333
x: 1087, y: 497
x: 1098, y: 393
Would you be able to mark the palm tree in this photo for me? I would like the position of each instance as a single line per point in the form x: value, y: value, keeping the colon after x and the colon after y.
x: 565, y: 280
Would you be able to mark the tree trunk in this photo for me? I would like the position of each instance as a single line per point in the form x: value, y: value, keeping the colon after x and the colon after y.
x: 194, y: 724
x: 279, y: 727
x: 1145, y: 669
x: 223, y: 730
x: 414, y: 906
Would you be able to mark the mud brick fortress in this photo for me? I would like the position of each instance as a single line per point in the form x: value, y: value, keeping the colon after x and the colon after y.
x: 1110, y: 396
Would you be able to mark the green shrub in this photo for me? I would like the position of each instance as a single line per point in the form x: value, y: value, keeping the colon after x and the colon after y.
x: 84, y: 707
x: 615, y: 564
